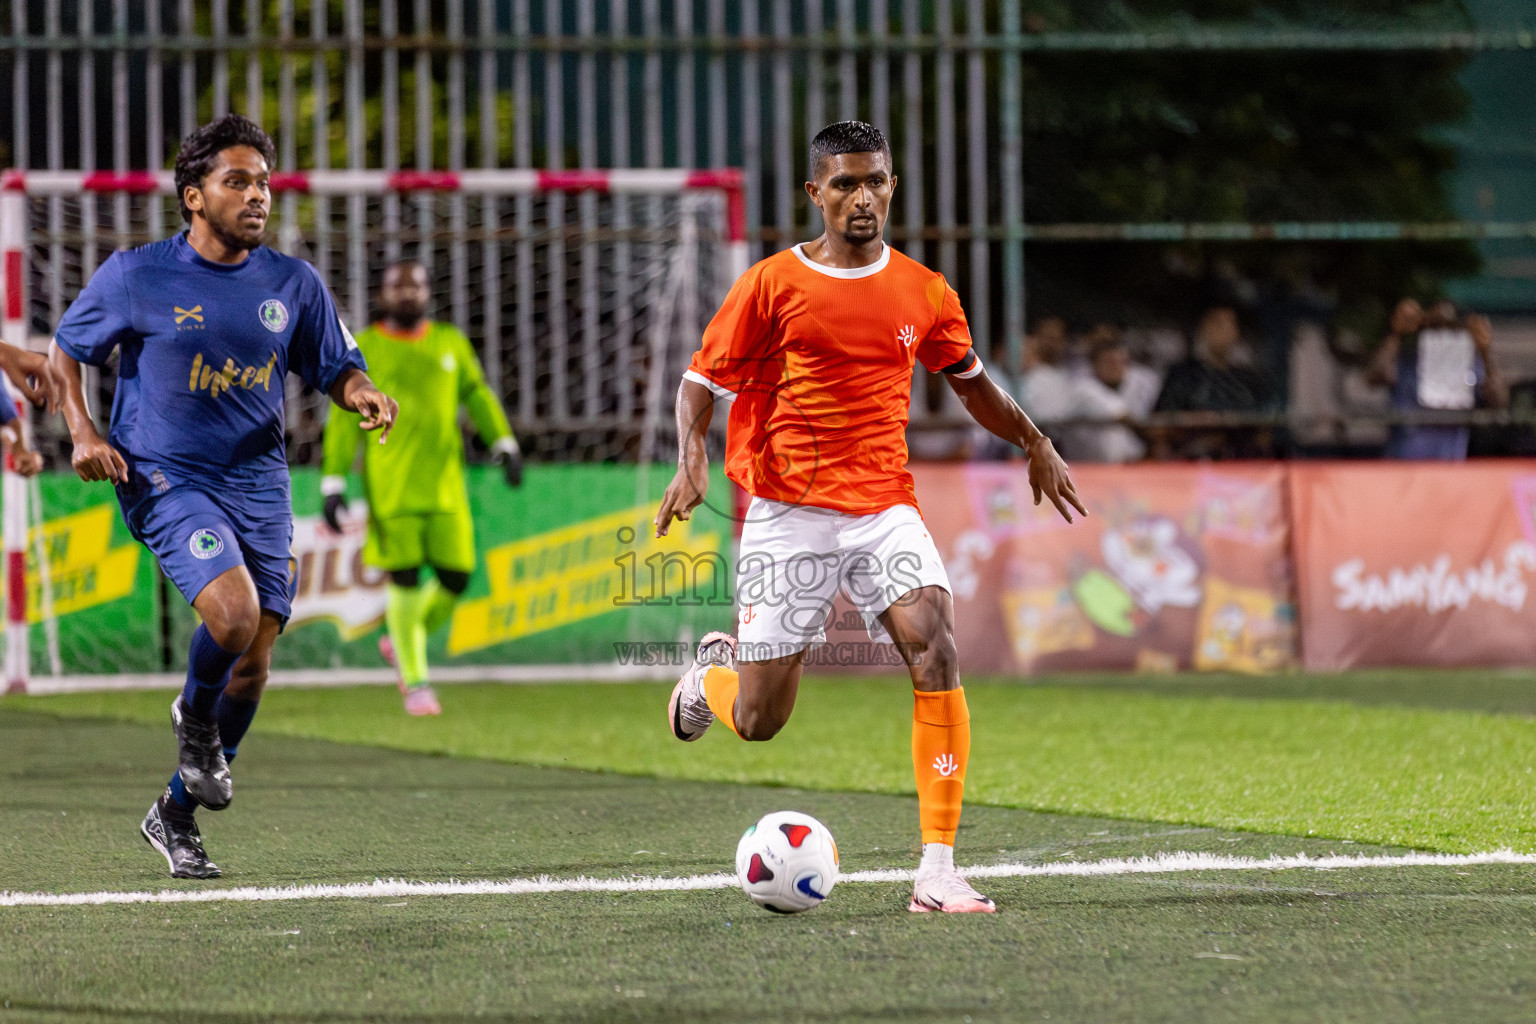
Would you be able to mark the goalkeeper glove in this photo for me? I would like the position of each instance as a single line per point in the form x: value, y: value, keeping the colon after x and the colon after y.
x: 335, y: 505
x: 334, y: 488
x: 509, y: 457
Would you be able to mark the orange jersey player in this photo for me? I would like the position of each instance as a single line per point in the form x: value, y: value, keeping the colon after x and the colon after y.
x: 816, y: 347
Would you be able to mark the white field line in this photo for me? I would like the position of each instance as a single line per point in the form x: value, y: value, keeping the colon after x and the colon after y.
x: 47, y: 686
x: 1160, y: 864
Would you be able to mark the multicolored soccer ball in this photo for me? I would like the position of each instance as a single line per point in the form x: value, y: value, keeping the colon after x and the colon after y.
x: 787, y: 862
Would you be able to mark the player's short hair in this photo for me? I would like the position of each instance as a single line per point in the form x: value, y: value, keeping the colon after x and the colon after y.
x: 847, y: 137
x: 200, y: 151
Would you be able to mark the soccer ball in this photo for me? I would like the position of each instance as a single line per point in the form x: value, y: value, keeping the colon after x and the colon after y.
x: 787, y: 862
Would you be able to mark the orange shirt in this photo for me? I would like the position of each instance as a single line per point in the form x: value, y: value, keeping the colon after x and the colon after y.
x: 820, y: 363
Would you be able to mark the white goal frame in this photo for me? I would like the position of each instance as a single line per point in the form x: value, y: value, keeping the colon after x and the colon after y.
x: 17, y: 187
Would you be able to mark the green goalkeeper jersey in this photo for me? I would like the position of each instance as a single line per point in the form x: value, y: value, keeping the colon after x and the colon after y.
x: 420, y: 470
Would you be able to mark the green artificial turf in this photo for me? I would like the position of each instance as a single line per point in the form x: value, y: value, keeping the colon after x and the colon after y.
x: 1327, y: 765
x: 1405, y: 944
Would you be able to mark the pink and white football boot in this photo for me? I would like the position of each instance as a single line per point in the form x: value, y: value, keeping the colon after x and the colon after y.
x: 688, y: 714
x: 945, y: 890
x: 420, y: 701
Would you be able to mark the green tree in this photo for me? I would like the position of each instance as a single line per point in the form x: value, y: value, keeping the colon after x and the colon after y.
x: 1256, y: 136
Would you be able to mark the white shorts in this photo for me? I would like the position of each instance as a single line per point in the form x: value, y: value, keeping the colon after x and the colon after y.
x: 795, y: 558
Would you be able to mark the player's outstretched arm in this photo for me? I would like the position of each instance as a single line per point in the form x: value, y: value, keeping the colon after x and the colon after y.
x: 991, y: 406
x: 93, y: 458
x: 695, y: 408
x: 354, y: 392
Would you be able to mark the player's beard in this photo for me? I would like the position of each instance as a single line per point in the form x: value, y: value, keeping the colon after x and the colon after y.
x: 408, y: 315
x: 861, y: 232
x: 239, y: 237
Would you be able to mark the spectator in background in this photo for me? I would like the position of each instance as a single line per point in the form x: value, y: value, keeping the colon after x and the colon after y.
x: 1139, y: 384
x: 1102, y: 394
x: 1046, y: 391
x: 1436, y: 360
x: 1210, y: 381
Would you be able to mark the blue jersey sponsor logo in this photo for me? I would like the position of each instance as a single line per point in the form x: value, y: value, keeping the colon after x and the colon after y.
x: 205, y: 378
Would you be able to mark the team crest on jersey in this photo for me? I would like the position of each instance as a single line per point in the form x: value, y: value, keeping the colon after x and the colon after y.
x: 273, y: 315
x: 907, y: 335
x: 205, y: 544
x: 447, y: 363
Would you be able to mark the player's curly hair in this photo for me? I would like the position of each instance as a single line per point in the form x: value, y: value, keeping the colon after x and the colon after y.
x: 847, y: 137
x: 200, y: 149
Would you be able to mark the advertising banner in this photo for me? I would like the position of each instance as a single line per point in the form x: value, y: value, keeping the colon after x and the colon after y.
x: 1416, y: 564
x: 97, y: 584
x: 1178, y: 566
x: 568, y: 572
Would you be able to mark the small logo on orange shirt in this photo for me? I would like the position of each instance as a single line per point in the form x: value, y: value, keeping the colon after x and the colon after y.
x: 907, y: 335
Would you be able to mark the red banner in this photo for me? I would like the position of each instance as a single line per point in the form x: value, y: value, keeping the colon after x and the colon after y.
x: 1189, y: 566
x: 1176, y: 567
x: 1415, y: 563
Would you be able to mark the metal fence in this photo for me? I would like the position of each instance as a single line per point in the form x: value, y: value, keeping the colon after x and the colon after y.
x: 567, y: 83
x: 453, y: 84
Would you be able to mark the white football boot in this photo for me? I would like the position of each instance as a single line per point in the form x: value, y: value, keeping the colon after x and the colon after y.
x: 945, y: 890
x: 688, y: 714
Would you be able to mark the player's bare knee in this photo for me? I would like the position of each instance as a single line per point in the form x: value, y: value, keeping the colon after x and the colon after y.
x: 234, y: 626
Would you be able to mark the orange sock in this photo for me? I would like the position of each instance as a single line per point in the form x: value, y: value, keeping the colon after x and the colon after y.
x: 941, y: 746
x: 720, y: 687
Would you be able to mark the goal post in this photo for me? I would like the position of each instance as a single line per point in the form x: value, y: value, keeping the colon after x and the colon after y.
x: 584, y: 292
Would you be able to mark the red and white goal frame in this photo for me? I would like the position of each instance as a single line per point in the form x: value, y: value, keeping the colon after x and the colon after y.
x: 17, y: 188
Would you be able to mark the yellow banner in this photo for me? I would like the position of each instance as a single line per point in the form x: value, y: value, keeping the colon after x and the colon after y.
x: 587, y: 569
x: 83, y: 572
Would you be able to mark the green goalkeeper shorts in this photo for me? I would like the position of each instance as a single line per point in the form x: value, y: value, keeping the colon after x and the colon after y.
x: 444, y: 540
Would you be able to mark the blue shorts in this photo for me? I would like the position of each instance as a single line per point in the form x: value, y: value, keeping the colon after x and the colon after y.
x: 198, y: 535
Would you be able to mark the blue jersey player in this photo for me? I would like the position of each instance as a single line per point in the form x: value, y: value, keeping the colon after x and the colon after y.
x: 208, y: 325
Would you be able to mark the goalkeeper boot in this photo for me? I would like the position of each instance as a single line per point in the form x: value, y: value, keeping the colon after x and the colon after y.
x: 171, y: 831
x: 688, y: 714
x: 945, y: 890
x: 420, y: 701
x: 203, y: 769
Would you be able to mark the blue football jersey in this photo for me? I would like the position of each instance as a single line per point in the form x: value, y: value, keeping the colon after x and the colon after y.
x: 205, y: 349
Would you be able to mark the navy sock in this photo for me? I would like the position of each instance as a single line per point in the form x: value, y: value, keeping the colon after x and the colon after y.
x: 208, y: 667
x: 234, y: 717
x: 180, y: 795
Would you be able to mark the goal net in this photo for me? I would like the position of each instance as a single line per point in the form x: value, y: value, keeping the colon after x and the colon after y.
x: 584, y: 294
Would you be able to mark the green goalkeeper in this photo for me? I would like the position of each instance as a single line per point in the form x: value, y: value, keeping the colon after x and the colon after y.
x: 418, y: 509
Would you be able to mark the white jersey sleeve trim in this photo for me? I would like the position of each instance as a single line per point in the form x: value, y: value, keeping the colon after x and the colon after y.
x: 973, y: 371
x: 845, y: 273
x: 699, y: 378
